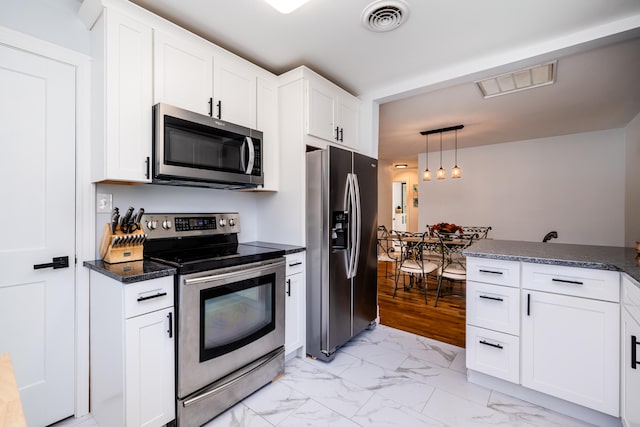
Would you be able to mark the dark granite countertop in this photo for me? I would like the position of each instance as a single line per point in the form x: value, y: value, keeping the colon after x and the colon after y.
x: 585, y: 256
x: 288, y: 249
x: 132, y: 271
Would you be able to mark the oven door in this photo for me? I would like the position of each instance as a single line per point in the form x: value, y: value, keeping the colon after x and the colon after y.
x: 227, y: 318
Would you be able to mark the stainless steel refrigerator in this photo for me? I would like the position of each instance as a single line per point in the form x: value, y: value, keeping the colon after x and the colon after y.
x: 342, y: 289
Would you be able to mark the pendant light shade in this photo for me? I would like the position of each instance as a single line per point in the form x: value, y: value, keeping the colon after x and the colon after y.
x: 456, y: 172
x: 426, y: 175
x: 441, y: 173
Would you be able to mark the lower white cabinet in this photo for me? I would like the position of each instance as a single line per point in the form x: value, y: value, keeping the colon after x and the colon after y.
x: 630, y: 336
x: 295, y: 315
x: 493, y: 353
x: 571, y: 348
x: 132, y: 352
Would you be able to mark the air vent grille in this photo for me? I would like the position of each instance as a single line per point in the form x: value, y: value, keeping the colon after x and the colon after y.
x: 383, y: 15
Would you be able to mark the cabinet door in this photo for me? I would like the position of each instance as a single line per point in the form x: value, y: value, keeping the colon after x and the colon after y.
x: 267, y: 123
x: 149, y: 369
x: 183, y: 72
x: 630, y: 370
x: 571, y: 348
x: 321, y: 111
x: 128, y: 102
x: 234, y: 91
x: 347, y: 122
x: 294, y: 313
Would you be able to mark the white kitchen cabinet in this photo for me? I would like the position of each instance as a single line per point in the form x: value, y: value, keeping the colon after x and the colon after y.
x: 493, y: 318
x: 182, y: 72
x: 267, y: 123
x: 295, y: 314
x: 630, y: 347
x: 132, y: 351
x: 121, y: 120
x: 316, y: 112
x: 196, y: 75
x: 332, y: 113
x: 493, y: 353
x: 570, y: 346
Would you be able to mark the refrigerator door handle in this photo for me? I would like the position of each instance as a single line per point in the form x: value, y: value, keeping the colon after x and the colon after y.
x: 351, y: 207
x: 347, y: 207
x: 358, y: 224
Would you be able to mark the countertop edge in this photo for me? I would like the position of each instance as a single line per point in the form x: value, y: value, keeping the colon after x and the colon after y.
x: 139, y: 271
x: 609, y: 258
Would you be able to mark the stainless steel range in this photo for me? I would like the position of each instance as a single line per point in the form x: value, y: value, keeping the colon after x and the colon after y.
x: 230, y: 310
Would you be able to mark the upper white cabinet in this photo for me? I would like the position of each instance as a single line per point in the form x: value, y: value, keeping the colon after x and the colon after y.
x: 121, y: 123
x: 182, y: 72
x: 332, y: 113
x: 234, y: 90
x: 267, y: 122
x: 329, y: 113
x: 193, y: 74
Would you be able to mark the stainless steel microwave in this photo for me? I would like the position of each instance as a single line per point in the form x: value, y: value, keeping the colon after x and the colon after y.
x: 197, y: 150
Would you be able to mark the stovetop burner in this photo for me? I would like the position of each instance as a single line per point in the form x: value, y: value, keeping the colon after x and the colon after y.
x: 199, y: 242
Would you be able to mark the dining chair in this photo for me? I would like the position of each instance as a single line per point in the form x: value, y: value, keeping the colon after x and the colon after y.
x: 453, y: 266
x: 480, y: 232
x: 412, y: 262
x: 386, y: 250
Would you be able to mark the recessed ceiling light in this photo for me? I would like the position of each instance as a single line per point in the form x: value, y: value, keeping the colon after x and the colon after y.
x: 536, y: 76
x: 401, y: 166
x: 286, y: 6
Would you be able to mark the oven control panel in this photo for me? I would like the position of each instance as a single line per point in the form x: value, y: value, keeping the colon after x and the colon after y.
x: 181, y: 224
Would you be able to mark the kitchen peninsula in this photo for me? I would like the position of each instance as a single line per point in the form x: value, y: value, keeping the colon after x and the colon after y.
x: 545, y: 323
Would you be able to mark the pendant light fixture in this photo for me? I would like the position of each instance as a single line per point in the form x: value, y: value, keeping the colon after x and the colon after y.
x: 456, y: 172
x: 426, y: 175
x: 441, y: 173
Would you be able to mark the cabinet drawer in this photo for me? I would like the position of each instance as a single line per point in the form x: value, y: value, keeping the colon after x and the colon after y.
x: 295, y: 263
x: 150, y: 295
x: 495, y: 271
x: 493, y: 353
x: 581, y: 282
x: 493, y: 307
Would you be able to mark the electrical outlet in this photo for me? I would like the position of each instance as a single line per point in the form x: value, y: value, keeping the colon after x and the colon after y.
x: 104, y: 203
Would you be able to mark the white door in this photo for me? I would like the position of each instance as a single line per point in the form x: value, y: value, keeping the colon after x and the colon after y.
x: 37, y: 189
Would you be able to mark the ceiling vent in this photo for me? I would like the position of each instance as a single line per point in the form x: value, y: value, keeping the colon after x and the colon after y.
x: 528, y: 78
x: 385, y: 15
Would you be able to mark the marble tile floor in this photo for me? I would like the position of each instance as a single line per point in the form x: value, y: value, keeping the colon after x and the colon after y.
x: 384, y: 377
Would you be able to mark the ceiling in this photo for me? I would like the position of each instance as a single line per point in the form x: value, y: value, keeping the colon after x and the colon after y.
x: 422, y: 73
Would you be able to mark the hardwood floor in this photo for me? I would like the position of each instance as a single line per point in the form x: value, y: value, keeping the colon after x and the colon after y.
x: 408, y: 311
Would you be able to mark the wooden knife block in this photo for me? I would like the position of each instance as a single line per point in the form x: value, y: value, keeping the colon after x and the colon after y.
x: 113, y: 250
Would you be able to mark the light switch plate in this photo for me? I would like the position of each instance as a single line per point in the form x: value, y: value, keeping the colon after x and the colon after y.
x: 104, y: 203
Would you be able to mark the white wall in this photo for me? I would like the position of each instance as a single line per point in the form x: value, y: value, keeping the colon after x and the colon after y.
x: 572, y: 184
x: 170, y: 199
x: 632, y: 185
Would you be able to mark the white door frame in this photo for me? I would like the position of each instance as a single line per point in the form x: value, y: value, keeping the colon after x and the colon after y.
x: 85, y: 196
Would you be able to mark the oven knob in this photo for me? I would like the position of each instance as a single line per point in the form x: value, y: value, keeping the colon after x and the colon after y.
x: 152, y: 225
x: 166, y: 224
x: 232, y: 222
x: 222, y: 222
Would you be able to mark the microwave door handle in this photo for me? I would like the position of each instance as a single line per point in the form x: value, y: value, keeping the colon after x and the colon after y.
x: 252, y: 155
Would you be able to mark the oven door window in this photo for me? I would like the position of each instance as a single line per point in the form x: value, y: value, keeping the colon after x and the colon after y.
x: 196, y: 146
x: 236, y: 314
